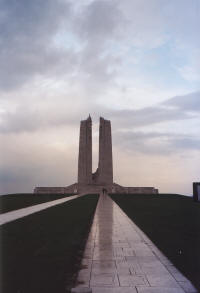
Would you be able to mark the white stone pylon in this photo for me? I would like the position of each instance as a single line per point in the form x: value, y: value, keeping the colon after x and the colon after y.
x: 105, y: 153
x: 85, y: 152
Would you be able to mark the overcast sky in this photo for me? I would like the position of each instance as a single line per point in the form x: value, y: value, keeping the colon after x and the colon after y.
x: 134, y: 62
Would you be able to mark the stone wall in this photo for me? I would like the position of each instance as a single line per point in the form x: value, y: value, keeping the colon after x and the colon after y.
x: 116, y: 188
x: 73, y: 189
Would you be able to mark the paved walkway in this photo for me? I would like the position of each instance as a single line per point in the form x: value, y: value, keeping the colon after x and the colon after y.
x: 119, y: 258
x: 17, y: 214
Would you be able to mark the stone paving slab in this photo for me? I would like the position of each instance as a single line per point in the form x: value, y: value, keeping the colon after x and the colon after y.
x: 20, y: 213
x: 120, y: 258
x: 113, y: 290
x: 159, y: 290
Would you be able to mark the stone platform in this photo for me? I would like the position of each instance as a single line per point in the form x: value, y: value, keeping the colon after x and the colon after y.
x: 95, y: 188
x: 119, y: 258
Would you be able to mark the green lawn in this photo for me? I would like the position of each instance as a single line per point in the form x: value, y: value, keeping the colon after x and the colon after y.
x: 10, y: 202
x: 172, y: 222
x: 41, y: 252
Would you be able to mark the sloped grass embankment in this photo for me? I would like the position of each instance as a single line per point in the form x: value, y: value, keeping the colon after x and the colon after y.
x: 42, y: 252
x: 172, y: 222
x: 11, y: 202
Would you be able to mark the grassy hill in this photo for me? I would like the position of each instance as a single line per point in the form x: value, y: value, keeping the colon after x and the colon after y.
x: 172, y: 222
x: 40, y: 253
x: 11, y: 202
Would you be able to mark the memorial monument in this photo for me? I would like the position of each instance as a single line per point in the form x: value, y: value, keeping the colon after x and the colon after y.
x: 103, y: 177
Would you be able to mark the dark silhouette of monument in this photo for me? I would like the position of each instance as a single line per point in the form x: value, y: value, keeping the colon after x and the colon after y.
x: 102, y: 179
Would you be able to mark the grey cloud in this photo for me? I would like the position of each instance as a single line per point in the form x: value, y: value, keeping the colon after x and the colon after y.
x: 27, y: 29
x: 26, y: 119
x: 186, y: 142
x: 155, y: 142
x: 96, y: 25
x: 28, y: 48
x: 177, y: 108
x: 26, y: 18
x: 26, y: 65
x: 21, y: 121
x: 189, y: 102
x: 111, y: 22
x: 148, y: 116
x: 98, y: 72
x: 30, y: 118
x: 99, y: 21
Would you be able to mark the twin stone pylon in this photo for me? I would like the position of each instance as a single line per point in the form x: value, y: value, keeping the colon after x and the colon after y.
x: 89, y: 182
x: 104, y: 173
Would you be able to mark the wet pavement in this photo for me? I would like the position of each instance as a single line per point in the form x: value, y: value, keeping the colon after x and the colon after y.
x: 119, y: 258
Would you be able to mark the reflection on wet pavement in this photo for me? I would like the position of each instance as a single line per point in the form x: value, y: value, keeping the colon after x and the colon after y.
x: 119, y: 258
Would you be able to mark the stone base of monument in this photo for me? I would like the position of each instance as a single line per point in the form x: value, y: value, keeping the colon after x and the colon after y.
x: 116, y: 188
x: 73, y: 189
x: 95, y: 188
x: 196, y: 191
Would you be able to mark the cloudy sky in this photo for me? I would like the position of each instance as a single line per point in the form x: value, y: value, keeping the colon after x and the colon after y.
x: 135, y: 62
